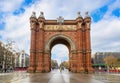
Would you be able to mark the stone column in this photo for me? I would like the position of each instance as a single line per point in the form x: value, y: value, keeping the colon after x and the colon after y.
x: 87, y: 21
x: 40, y: 44
x: 70, y: 61
x: 79, y: 21
x: 74, y: 61
x: 33, y: 22
x: 84, y: 47
x: 47, y: 61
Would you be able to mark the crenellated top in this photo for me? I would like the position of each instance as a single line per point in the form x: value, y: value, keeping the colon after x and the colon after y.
x: 41, y: 17
x: 87, y: 21
x: 79, y: 18
x: 33, y: 15
x: 41, y: 21
x: 33, y: 21
x: 87, y: 18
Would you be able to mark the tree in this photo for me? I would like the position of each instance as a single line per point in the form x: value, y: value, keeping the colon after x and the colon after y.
x: 54, y: 64
x: 118, y: 59
x: 110, y: 61
x: 118, y: 62
x: 1, y: 55
x: 65, y: 64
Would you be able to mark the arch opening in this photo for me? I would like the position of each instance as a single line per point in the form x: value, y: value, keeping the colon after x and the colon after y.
x: 60, y: 39
x: 62, y: 46
x: 59, y: 56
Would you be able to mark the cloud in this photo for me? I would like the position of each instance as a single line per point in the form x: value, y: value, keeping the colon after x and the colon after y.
x: 17, y: 27
x: 67, y: 9
x: 105, y: 35
x: 10, y: 5
x: 111, y: 8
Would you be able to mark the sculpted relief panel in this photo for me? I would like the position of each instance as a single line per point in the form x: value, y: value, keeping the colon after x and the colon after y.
x: 60, y: 27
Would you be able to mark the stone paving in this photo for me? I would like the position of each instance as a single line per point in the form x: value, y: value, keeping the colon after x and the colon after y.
x: 58, y: 77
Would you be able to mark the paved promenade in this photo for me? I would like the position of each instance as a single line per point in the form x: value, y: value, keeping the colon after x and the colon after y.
x: 58, y: 77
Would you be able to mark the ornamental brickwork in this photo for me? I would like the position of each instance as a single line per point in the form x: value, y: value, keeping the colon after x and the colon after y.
x: 75, y: 34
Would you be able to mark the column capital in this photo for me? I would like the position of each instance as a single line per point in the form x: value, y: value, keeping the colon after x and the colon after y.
x: 33, y: 23
x: 74, y: 51
x: 32, y: 50
x: 47, y: 51
x: 39, y: 51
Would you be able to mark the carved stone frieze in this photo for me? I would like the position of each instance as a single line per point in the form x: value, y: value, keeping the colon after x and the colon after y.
x: 60, y: 27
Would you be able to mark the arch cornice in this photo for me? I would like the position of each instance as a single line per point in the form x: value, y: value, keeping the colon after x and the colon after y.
x: 53, y: 38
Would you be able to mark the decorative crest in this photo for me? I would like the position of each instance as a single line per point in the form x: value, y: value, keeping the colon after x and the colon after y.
x: 60, y: 20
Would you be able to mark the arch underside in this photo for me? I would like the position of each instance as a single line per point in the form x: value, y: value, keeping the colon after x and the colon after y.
x: 60, y: 39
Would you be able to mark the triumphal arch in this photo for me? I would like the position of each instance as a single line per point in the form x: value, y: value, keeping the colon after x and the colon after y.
x: 75, y: 34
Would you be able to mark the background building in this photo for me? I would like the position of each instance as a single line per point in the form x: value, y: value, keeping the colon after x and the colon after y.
x: 21, y: 59
x: 99, y: 56
x: 6, y: 57
x: 10, y: 59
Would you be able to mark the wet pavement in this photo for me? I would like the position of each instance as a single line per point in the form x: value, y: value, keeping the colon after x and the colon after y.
x: 56, y: 76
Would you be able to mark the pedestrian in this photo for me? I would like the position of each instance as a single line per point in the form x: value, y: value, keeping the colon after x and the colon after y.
x: 60, y: 69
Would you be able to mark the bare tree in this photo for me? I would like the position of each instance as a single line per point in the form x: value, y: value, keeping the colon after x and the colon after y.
x: 54, y: 64
x: 65, y: 64
x: 110, y: 61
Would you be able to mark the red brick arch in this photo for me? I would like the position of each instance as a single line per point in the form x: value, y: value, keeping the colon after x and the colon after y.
x: 75, y: 34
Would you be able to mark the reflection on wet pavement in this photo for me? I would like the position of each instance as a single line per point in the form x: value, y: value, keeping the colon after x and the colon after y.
x: 107, y: 77
x: 12, y: 77
x: 56, y: 76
